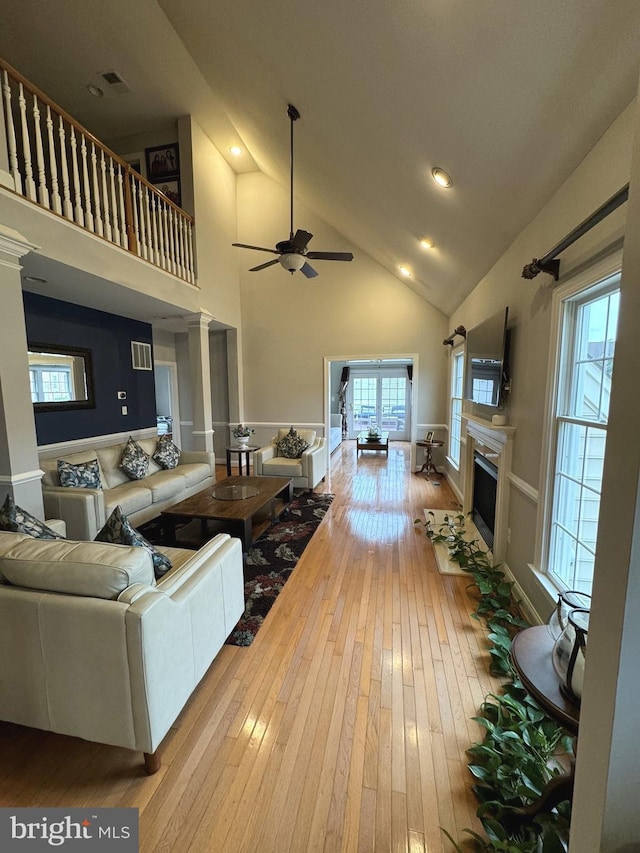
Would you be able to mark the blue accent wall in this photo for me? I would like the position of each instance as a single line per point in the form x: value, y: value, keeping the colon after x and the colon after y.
x: 50, y: 321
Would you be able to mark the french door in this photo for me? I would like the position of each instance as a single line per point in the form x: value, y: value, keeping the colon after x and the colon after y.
x: 380, y: 398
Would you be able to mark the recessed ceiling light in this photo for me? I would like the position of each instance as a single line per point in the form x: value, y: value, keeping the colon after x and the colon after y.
x: 96, y: 91
x: 426, y: 243
x: 442, y: 178
x: 236, y: 150
x: 406, y: 272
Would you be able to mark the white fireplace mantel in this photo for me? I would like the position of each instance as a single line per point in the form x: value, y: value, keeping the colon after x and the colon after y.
x: 496, y: 442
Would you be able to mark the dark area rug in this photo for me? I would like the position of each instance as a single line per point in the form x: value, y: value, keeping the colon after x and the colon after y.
x: 272, y: 558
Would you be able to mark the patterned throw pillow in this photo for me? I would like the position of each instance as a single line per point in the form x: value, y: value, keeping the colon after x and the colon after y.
x: 17, y: 520
x: 166, y: 454
x: 292, y: 446
x: 134, y: 461
x: 119, y: 531
x: 86, y: 475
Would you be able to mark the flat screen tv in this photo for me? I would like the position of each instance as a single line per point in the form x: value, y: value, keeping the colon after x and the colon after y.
x: 485, y: 362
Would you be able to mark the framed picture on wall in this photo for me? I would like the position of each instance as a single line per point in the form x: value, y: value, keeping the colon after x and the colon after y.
x: 172, y: 190
x: 162, y: 162
x: 428, y: 436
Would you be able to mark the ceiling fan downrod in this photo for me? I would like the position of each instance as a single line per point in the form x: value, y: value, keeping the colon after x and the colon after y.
x: 294, y: 115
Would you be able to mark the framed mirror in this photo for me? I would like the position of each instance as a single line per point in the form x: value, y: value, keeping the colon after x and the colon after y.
x: 60, y: 377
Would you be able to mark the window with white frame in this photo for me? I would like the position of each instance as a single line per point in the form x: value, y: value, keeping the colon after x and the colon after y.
x: 455, y: 413
x: 588, y: 323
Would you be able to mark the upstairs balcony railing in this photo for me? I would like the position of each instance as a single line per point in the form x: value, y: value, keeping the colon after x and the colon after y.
x: 62, y: 167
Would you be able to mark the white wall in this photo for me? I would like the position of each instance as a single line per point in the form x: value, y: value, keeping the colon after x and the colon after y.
x: 601, y: 174
x: 291, y: 323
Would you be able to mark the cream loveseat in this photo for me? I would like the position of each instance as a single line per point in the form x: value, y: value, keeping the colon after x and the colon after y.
x: 86, y: 510
x: 306, y: 471
x: 93, y: 647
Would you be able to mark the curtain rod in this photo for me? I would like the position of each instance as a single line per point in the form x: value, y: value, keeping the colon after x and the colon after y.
x: 550, y: 263
x: 459, y: 330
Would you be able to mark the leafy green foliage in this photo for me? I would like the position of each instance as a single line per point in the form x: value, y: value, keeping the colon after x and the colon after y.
x: 519, y: 752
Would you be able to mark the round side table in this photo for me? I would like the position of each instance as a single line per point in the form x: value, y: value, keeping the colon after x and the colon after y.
x: 247, y: 450
x: 428, y: 465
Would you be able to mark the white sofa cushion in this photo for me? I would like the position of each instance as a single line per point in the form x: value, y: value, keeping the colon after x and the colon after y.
x: 193, y: 472
x: 94, y: 569
x: 309, y: 435
x: 165, y: 484
x: 280, y: 466
x: 132, y: 496
x: 50, y: 466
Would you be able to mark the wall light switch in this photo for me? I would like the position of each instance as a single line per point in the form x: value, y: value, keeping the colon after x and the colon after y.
x: 125, y: 411
x: 122, y: 395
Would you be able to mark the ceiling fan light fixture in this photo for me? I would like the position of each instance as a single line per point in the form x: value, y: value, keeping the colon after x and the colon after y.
x: 442, y: 178
x: 292, y: 261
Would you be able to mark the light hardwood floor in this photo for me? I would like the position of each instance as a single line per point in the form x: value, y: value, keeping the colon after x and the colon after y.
x: 343, y: 727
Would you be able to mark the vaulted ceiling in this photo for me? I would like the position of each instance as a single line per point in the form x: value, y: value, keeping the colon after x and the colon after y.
x: 507, y: 96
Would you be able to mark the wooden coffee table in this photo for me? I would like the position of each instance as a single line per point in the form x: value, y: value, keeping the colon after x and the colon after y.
x: 234, y: 501
x: 363, y: 444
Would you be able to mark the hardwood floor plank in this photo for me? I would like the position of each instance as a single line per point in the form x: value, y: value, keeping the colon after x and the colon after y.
x: 343, y: 727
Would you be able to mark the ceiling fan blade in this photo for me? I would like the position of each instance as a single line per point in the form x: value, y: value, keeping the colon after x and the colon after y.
x: 308, y: 270
x: 258, y: 248
x: 330, y: 256
x: 264, y: 266
x: 301, y: 239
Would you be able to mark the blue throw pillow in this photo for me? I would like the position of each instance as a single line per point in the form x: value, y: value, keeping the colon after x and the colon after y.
x: 86, y: 475
x: 14, y: 519
x: 134, y: 461
x: 166, y: 454
x: 119, y: 531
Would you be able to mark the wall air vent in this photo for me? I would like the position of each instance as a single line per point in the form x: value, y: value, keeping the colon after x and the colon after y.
x: 141, y: 356
x: 115, y: 82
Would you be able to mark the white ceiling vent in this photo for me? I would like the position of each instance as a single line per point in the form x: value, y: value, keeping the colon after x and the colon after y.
x: 141, y: 356
x: 115, y: 82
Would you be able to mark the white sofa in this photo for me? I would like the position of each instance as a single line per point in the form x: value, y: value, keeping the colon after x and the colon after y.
x: 86, y: 510
x: 93, y: 647
x: 306, y: 472
x: 335, y: 436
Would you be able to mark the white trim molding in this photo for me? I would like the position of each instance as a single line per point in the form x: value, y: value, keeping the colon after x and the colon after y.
x: 20, y: 479
x: 76, y: 445
x: 524, y: 487
x: 202, y: 431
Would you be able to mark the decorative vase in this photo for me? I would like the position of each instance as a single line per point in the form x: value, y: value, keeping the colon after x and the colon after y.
x: 567, y: 601
x: 243, y: 440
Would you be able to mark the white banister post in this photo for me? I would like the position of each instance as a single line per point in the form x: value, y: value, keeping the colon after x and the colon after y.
x: 6, y: 126
x: 20, y: 472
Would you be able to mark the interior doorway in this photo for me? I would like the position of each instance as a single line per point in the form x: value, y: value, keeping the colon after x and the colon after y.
x: 167, y: 407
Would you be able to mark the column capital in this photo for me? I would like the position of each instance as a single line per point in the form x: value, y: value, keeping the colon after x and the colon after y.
x: 13, y: 246
x: 200, y: 320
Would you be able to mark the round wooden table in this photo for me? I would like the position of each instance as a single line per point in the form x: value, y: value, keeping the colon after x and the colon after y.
x: 428, y: 465
x: 247, y: 449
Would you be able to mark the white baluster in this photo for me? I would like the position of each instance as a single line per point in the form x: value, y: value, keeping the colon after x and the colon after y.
x: 26, y: 147
x: 53, y: 165
x: 192, y: 276
x: 144, y: 240
x: 43, y: 190
x: 86, y: 184
x: 134, y: 206
x: 177, y: 219
x: 11, y: 135
x: 97, y: 214
x: 124, y: 237
x: 151, y: 201
x: 160, y: 217
x: 67, y: 209
x: 77, y: 193
x: 172, y: 244
x: 114, y: 202
x: 105, y: 197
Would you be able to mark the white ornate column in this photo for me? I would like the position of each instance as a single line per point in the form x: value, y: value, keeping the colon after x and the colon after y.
x: 20, y: 473
x: 496, y: 443
x: 200, y: 367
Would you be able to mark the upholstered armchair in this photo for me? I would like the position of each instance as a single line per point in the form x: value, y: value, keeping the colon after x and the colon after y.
x: 306, y: 471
